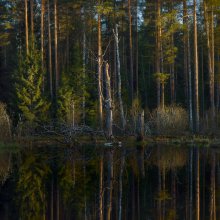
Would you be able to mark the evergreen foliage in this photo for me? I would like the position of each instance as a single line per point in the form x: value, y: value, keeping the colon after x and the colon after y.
x: 31, y: 102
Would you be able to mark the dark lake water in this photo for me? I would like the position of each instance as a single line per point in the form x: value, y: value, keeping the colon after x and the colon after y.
x: 97, y: 182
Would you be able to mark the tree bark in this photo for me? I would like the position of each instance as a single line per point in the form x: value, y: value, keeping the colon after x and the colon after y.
x: 185, y: 39
x: 108, y: 103
x: 119, y: 77
x: 100, y: 61
x: 50, y: 52
x: 196, y: 69
x: 84, y: 69
x: 131, y: 50
x: 56, y: 46
x: 26, y: 27
x: 42, y: 37
x: 208, y: 28
x: 32, y: 21
x: 158, y: 49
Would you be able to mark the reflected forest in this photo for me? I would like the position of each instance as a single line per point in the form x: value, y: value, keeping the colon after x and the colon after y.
x: 110, y: 109
x: 154, y: 182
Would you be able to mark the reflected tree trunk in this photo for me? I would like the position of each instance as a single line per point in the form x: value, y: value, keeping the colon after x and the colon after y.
x: 191, y: 184
x: 121, y: 184
x: 109, y: 184
x: 101, y: 189
x: 51, y: 199
x: 212, y: 190
x: 197, y: 184
x: 159, y: 186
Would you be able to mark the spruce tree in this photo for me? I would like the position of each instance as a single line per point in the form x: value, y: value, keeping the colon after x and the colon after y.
x: 31, y: 102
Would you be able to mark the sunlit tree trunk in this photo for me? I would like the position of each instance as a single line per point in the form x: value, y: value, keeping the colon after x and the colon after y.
x: 119, y: 77
x: 42, y: 35
x: 32, y: 20
x: 108, y: 103
x: 185, y: 41
x: 50, y: 52
x: 196, y: 69
x: 26, y: 27
x: 208, y: 28
x: 100, y: 70
x: 131, y: 50
x: 56, y: 46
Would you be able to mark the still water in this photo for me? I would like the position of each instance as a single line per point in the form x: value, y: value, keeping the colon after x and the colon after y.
x: 155, y: 182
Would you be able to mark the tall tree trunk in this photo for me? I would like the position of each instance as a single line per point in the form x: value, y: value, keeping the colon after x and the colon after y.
x: 26, y: 27
x: 119, y: 77
x: 186, y: 77
x: 190, y: 81
x: 100, y: 62
x: 108, y: 103
x: 56, y: 46
x: 196, y: 69
x: 32, y: 21
x: 158, y: 49
x: 137, y: 56
x: 131, y: 51
x: 172, y: 67
x: 84, y: 69
x: 50, y: 52
x: 208, y: 28
x: 42, y: 37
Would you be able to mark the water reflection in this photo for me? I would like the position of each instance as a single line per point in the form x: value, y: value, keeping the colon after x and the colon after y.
x: 112, y: 183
